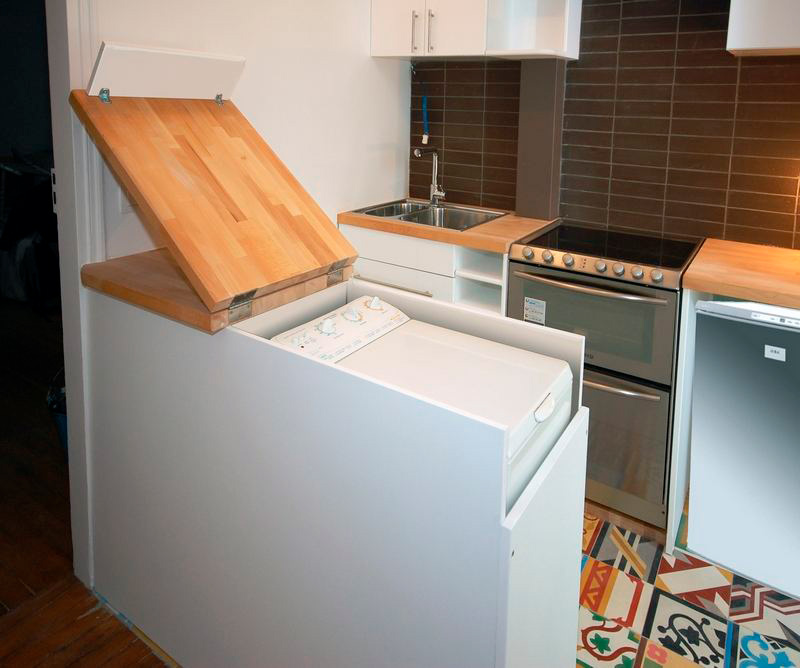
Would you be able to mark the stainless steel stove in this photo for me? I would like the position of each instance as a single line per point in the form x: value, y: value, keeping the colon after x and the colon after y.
x: 622, y: 292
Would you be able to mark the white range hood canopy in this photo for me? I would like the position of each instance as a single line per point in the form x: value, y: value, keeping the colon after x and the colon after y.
x: 764, y: 28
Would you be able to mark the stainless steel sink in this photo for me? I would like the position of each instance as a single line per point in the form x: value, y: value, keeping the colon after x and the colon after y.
x: 393, y: 209
x: 449, y: 216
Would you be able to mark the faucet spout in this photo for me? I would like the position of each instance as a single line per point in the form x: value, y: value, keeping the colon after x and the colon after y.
x: 436, y: 191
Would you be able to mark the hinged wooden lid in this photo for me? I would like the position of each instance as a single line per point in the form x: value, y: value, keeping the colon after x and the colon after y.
x: 232, y: 215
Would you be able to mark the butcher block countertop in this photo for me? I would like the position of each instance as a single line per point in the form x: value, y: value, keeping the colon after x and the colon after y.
x: 154, y: 281
x: 746, y: 271
x: 496, y: 236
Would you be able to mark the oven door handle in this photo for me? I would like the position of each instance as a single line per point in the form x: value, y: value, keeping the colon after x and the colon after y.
x: 620, y: 390
x: 599, y: 292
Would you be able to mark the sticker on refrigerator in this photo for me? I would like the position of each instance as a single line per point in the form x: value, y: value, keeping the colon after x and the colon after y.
x: 775, y: 353
x: 534, y: 310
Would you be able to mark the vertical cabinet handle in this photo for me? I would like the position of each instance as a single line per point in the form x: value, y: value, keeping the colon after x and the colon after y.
x: 431, y: 16
x: 414, y: 17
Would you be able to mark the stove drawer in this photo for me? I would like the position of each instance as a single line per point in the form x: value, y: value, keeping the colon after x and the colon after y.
x: 628, y: 446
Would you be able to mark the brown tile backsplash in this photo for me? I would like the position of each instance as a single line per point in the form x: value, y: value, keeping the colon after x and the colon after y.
x: 663, y: 130
x: 667, y: 132
x: 473, y: 109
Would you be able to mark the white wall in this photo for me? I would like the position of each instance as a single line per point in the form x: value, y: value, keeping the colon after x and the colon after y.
x: 338, y: 118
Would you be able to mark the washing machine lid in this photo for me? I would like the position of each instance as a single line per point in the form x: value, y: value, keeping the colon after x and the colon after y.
x: 490, y: 380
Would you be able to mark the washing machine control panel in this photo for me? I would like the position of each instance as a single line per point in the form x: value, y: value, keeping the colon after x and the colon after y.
x: 337, y: 334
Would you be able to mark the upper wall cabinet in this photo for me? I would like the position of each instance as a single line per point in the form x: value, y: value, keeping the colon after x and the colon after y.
x: 497, y: 28
x: 764, y: 28
x: 417, y: 28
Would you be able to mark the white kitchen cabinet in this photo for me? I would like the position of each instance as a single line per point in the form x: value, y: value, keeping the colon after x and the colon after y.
x: 465, y: 276
x: 409, y: 28
x: 398, y: 28
x: 455, y: 27
x: 534, y: 29
x: 764, y: 28
x: 499, y: 28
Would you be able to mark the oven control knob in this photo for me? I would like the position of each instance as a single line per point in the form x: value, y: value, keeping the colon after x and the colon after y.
x: 547, y: 256
x: 527, y: 253
x: 637, y: 273
x: 600, y: 266
x: 568, y: 260
x: 619, y: 269
x: 657, y: 275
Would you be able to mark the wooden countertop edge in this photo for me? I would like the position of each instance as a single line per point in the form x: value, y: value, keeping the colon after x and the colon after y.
x: 766, y: 274
x: 496, y: 236
x: 153, y: 281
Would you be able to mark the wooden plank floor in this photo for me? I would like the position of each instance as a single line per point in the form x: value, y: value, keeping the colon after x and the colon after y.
x: 47, y: 617
x: 67, y: 626
x: 35, y: 540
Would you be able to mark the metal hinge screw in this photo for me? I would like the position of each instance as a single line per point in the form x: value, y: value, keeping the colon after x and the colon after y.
x: 105, y: 96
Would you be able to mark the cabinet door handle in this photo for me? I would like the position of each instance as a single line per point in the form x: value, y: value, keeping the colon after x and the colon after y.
x: 423, y: 293
x: 414, y: 17
x: 431, y: 16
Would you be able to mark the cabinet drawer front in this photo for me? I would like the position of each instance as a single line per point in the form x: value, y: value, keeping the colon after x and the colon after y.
x: 402, y: 278
x: 432, y: 256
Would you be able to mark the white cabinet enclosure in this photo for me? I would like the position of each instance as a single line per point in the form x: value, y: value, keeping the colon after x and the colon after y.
x: 255, y: 507
x: 764, y: 28
x: 498, y: 28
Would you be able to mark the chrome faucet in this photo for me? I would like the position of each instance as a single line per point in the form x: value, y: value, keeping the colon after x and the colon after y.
x: 436, y: 190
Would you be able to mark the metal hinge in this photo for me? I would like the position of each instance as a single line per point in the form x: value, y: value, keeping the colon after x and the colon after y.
x: 335, y: 277
x: 241, y: 307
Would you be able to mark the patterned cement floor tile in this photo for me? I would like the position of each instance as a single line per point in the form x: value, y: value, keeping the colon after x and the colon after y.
x: 592, y: 526
x: 602, y: 642
x: 758, y: 651
x: 627, y: 551
x: 689, y: 631
x: 653, y: 655
x: 766, y: 611
x: 615, y: 595
x: 696, y: 581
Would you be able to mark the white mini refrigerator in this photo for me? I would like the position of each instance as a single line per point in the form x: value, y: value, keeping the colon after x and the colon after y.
x: 392, y: 482
x: 745, y: 449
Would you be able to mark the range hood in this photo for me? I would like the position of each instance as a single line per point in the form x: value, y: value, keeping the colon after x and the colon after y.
x: 764, y: 28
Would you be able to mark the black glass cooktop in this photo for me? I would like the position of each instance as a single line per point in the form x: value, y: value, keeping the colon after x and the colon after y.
x: 622, y: 246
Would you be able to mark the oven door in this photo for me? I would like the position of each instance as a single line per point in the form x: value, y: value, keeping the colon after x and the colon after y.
x: 628, y: 446
x: 629, y: 329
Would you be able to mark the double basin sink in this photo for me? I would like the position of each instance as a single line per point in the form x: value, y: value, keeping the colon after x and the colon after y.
x: 449, y: 216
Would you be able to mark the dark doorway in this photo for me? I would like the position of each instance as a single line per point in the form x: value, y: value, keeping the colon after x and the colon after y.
x: 35, y: 542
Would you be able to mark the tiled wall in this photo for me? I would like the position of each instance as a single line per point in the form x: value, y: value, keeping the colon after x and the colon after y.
x: 473, y: 108
x: 665, y: 131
